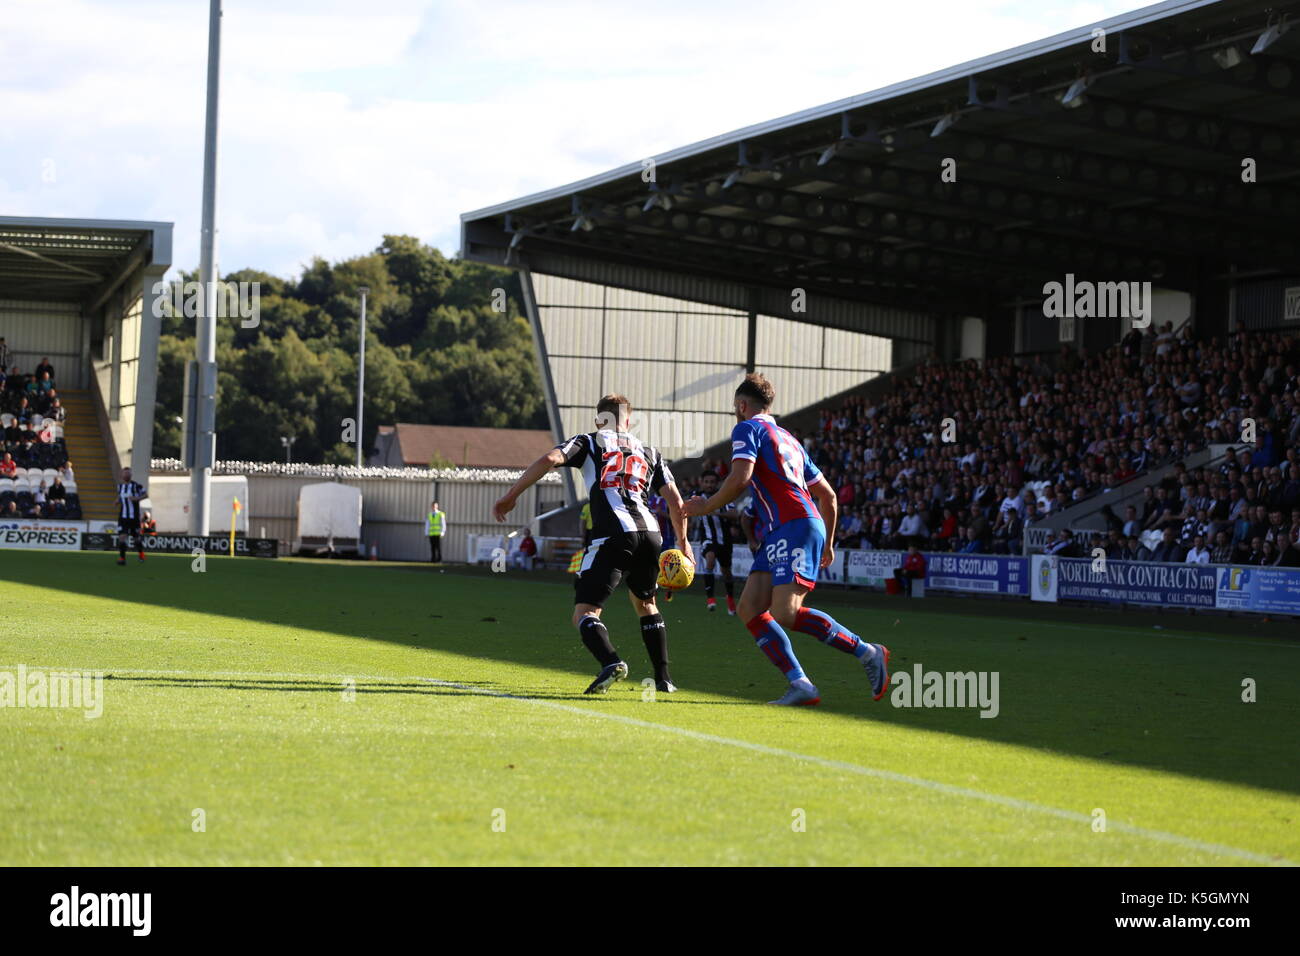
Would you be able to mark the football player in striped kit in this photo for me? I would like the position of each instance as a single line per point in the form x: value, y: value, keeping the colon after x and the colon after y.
x: 129, y: 495
x: 714, y: 535
x: 619, y: 473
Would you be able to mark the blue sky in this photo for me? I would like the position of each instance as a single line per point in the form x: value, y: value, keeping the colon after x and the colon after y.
x: 343, y: 120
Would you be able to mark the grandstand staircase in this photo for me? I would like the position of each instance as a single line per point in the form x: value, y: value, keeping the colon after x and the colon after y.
x: 96, y: 483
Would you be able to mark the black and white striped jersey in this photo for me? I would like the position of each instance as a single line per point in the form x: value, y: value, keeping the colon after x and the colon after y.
x: 620, y: 474
x: 716, y: 527
x: 126, y: 508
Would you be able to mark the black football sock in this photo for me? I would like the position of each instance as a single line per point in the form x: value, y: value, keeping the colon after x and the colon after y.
x: 121, y: 547
x: 708, y: 585
x: 655, y: 634
x: 729, y: 585
x: 596, y: 638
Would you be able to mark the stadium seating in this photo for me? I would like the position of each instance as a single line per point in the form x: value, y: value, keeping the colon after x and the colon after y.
x: 40, y: 451
x: 1034, y: 437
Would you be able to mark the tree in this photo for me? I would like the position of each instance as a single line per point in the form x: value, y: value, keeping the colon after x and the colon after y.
x: 437, y: 352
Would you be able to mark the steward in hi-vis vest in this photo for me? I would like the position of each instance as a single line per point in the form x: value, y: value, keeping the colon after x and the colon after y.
x: 437, y: 526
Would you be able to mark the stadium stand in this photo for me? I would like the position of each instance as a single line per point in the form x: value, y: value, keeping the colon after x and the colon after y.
x: 1032, y: 437
x: 35, y: 479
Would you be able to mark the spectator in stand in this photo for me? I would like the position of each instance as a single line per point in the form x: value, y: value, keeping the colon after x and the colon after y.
x: 1132, y: 526
x: 912, y: 528
x: 1251, y: 553
x: 58, y: 496
x: 1222, y: 552
x: 1009, y: 532
x: 1063, y: 546
x: 11, y: 510
x: 527, y: 551
x: 1197, y: 553
x: 912, y: 569
x: 1133, y: 550
x: 973, y: 544
x: 946, y: 536
x: 1290, y: 557
x: 1168, y: 550
x: 45, y: 369
x: 8, y: 467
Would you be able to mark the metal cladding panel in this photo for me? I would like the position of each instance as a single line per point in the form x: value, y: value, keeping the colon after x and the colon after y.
x: 572, y: 331
x: 640, y: 334
x: 696, y: 293
x: 853, y: 351
x: 557, y: 290
x: 578, y: 381
x: 1262, y: 304
x: 616, y: 298
x: 577, y: 419
x: 782, y: 342
x: 646, y: 384
x: 799, y: 388
x: 392, y: 499
x: 720, y: 337
x: 843, y: 314
x: 706, y: 388
x: 393, y: 511
x: 34, y: 330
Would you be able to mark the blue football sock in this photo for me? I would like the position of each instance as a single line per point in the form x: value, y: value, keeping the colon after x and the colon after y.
x: 775, y: 643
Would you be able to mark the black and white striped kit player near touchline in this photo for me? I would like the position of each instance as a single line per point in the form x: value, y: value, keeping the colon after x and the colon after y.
x: 128, y: 493
x: 620, y: 473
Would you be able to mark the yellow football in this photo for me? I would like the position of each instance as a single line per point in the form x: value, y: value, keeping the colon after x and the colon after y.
x: 676, y: 571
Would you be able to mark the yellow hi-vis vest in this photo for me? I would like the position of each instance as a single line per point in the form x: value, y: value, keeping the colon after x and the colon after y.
x: 435, y: 523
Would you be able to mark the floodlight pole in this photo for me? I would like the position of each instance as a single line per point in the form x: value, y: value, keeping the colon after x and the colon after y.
x: 361, y: 378
x: 204, y: 427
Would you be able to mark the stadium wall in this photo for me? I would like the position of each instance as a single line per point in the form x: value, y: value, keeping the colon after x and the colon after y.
x: 394, y: 505
x: 679, y: 361
x: 35, y: 330
x: 1268, y: 303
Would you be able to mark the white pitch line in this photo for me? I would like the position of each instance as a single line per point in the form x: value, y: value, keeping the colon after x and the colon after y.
x: 936, y: 786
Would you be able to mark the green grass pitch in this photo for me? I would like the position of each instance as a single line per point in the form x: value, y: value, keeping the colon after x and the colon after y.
x: 468, y: 740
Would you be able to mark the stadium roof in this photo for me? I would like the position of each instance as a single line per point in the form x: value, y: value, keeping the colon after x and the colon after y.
x: 76, y: 260
x: 1121, y: 165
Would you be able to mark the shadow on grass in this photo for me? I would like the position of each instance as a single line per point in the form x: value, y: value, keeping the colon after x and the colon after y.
x: 1069, y: 682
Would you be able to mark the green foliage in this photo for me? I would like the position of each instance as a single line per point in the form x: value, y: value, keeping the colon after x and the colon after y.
x: 437, y: 352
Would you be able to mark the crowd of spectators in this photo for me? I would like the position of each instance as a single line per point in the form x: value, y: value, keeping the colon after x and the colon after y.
x: 964, y: 456
x: 36, y: 478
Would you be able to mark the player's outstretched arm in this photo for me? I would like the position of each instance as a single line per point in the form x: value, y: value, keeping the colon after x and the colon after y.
x: 677, y: 518
x: 532, y: 474
x: 829, y: 507
x: 741, y: 471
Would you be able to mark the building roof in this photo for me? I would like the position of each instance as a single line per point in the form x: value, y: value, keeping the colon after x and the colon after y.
x: 1120, y: 161
x: 77, y: 260
x: 470, y: 447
